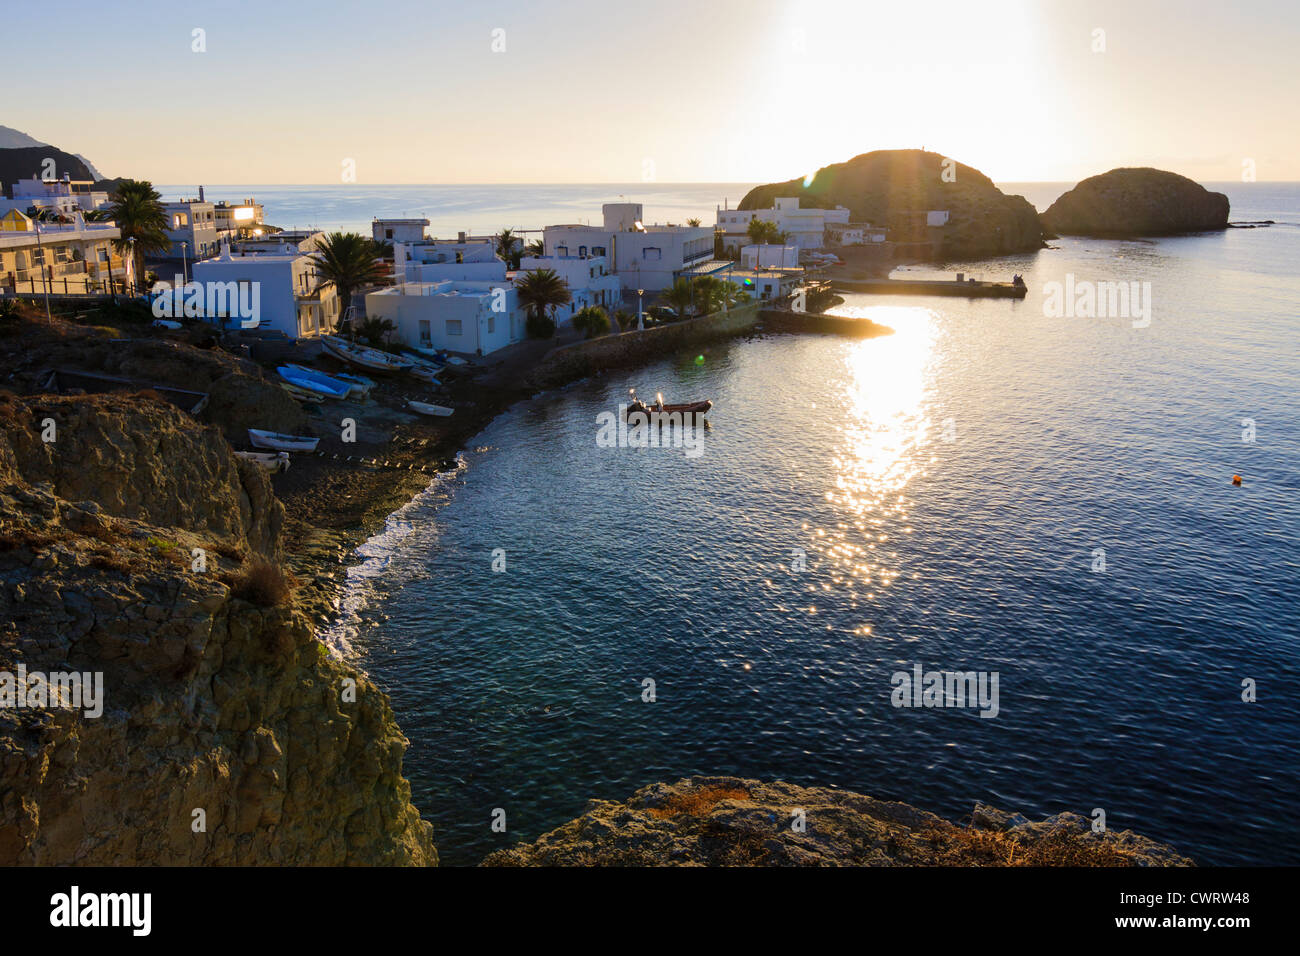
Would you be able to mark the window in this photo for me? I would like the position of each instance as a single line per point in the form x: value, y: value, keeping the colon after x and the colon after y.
x: 388, y: 233
x: 597, y: 250
x: 492, y: 323
x: 582, y: 252
x: 652, y: 253
x: 561, y: 250
x: 453, y: 327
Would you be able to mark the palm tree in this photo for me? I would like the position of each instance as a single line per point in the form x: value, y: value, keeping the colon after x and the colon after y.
x: 681, y: 297
x: 138, y: 213
x: 591, y: 321
x: 693, y: 222
x: 535, y: 248
x: 540, y: 291
x: 348, y: 260
x: 508, y: 247
x: 713, y: 294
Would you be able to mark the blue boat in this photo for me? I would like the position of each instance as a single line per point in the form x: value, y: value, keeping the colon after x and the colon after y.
x: 314, y: 381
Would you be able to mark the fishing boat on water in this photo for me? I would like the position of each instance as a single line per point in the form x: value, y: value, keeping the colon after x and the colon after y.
x: 657, y: 407
x: 314, y: 381
x: 367, y: 358
x: 424, y: 408
x: 270, y: 461
x: 277, y: 441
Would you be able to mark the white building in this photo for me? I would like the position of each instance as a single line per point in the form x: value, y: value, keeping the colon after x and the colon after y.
x: 237, y: 220
x: 804, y: 228
x: 590, y: 281
x: 73, y: 258
x: 433, y: 260
x: 854, y: 234
x: 64, y: 196
x: 471, y: 317
x: 769, y: 257
x: 291, y: 296
x: 643, y: 256
x: 193, y: 223
x: 398, y: 230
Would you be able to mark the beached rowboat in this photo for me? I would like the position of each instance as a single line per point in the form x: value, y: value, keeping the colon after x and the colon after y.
x: 314, y: 381
x: 280, y: 442
x: 424, y: 408
x: 372, y: 359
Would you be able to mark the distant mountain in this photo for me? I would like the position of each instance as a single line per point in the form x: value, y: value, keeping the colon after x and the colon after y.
x: 11, y: 138
x: 24, y: 163
x: 892, y: 187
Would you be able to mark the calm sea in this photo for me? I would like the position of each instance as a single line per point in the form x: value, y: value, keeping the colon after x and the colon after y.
x: 952, y: 487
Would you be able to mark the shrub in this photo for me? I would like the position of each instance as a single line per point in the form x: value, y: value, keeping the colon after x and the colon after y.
x: 261, y: 582
x: 540, y: 326
x: 591, y: 321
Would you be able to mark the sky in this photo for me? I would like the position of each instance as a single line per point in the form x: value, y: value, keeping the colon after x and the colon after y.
x: 571, y: 91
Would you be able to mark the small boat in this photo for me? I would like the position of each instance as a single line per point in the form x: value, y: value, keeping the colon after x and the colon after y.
x: 271, y: 461
x: 686, y: 409
x: 425, y: 372
x: 278, y: 442
x: 301, y: 394
x: 424, y: 408
x: 333, y: 381
x: 167, y: 324
x: 362, y: 384
x: 437, y: 355
x: 368, y: 358
x: 314, y: 381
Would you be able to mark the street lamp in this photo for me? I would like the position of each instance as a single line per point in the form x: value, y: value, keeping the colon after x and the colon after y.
x: 640, y: 322
x: 40, y: 253
x: 185, y: 279
x: 130, y: 245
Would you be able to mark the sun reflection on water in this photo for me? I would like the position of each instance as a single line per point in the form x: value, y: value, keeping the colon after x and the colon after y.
x: 885, y: 434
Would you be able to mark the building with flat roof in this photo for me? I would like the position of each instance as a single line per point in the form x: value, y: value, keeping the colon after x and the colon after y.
x: 649, y: 257
x: 291, y: 295
x: 805, y: 228
x: 71, y: 258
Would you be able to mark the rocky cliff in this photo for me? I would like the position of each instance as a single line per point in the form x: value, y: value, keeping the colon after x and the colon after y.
x: 728, y: 821
x: 228, y: 734
x: 891, y: 187
x: 1136, y: 202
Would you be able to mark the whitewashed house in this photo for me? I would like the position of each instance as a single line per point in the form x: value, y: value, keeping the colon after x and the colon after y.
x: 191, y: 229
x: 649, y: 257
x: 805, y: 227
x: 768, y: 256
x: 473, y: 317
x: 74, y: 258
x: 591, y: 281
x: 292, y: 297
x: 64, y: 196
x: 398, y: 230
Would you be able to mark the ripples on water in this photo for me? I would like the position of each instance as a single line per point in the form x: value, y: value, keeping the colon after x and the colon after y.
x: 949, y: 486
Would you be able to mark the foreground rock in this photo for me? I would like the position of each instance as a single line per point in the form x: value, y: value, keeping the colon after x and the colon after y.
x: 1128, y: 203
x: 729, y: 821
x: 891, y: 187
x: 228, y: 735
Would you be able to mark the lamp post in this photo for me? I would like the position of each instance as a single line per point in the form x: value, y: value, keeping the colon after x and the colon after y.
x: 640, y: 323
x: 184, y: 272
x: 40, y: 254
x: 130, y: 246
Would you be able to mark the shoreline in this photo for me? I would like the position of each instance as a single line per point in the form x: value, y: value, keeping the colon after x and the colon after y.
x: 364, y: 497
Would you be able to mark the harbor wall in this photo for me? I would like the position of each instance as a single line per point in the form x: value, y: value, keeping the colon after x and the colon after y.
x: 568, y: 363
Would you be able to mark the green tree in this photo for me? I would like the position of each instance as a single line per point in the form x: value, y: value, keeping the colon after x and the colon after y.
x: 624, y: 319
x: 541, y: 291
x: 535, y: 248
x: 763, y: 230
x: 348, y: 260
x: 509, y: 247
x: 681, y: 297
x: 693, y: 222
x: 591, y: 321
x: 137, y: 210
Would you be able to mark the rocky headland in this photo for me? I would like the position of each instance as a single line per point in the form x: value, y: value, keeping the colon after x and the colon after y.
x: 893, y: 187
x: 729, y: 821
x: 1137, y: 202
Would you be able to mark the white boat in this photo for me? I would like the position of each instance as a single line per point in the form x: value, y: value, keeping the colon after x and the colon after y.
x: 271, y: 461
x: 359, y: 355
x: 278, y: 442
x: 167, y: 324
x: 424, y: 372
x: 424, y: 408
x: 362, y: 384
